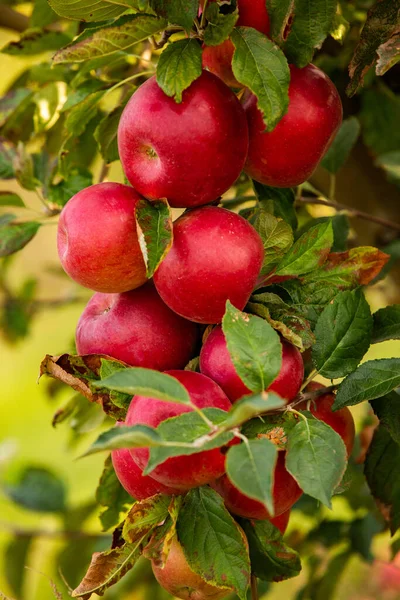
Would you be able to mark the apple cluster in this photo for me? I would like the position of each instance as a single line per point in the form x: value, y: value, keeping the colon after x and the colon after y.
x: 191, y: 153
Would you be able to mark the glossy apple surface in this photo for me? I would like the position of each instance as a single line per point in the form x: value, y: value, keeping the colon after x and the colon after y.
x: 189, y: 152
x: 137, y: 328
x: 97, y: 239
x: 216, y: 256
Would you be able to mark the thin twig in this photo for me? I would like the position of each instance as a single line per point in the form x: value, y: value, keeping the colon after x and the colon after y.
x: 254, y: 588
x: 352, y: 212
x: 103, y: 171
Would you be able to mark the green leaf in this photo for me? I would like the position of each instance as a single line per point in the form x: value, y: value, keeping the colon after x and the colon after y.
x: 212, y: 542
x: 39, y: 490
x: 341, y: 229
x: 271, y: 559
x: 24, y: 168
x: 342, y: 335
x: 144, y: 516
x: 42, y: 14
x: 254, y: 347
x: 277, y: 201
x: 77, y: 180
x: 386, y: 324
x: 250, y: 467
x: 262, y: 67
x: 387, y: 409
x: 79, y: 93
x: 136, y: 436
x: 342, y: 145
x: 81, y: 10
x: 154, y: 224
x: 390, y: 163
x: 308, y: 252
x: 373, y: 379
x: 250, y: 406
x: 112, y: 496
x: 80, y: 115
x: 379, y: 116
x: 179, y: 65
x: 277, y: 237
x: 48, y: 101
x: 316, y: 458
x: 15, y: 560
x: 146, y: 382
x: 282, y: 317
x: 35, y: 41
x: 381, y: 472
x: 14, y: 236
x: 10, y: 102
x: 10, y: 199
x: 106, y: 134
x: 179, y: 433
x: 301, y: 26
x: 381, y: 24
x: 7, y: 157
x: 104, y: 41
x: 178, y: 12
x: 219, y: 25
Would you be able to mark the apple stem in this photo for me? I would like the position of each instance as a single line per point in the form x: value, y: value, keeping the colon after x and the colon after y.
x: 254, y: 587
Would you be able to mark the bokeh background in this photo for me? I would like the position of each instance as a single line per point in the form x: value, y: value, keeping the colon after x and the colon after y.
x: 32, y: 549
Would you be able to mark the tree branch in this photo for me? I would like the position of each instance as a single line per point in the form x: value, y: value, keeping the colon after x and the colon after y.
x: 11, y: 19
x: 352, y: 212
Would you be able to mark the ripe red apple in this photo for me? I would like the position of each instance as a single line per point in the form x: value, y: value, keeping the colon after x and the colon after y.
x: 137, y: 328
x: 182, y: 472
x: 216, y: 256
x: 181, y: 582
x: 341, y: 420
x: 282, y: 521
x: 286, y: 492
x: 131, y: 477
x: 97, y: 238
x: 218, y: 59
x: 216, y: 363
x: 190, y: 152
x: 289, y: 154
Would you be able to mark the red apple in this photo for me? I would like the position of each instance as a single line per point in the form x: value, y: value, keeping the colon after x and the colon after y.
x: 216, y: 363
x: 137, y: 328
x: 218, y: 59
x: 341, y: 420
x: 180, y: 581
x: 286, y: 492
x: 182, y: 472
x: 216, y: 256
x: 190, y: 152
x: 289, y: 154
x: 131, y: 477
x: 97, y: 238
x: 282, y: 521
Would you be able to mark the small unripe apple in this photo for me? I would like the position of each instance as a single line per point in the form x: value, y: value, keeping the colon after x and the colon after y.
x: 285, y: 493
x: 131, y: 477
x: 216, y: 363
x: 218, y: 59
x: 182, y: 472
x: 181, y: 582
x: 216, y: 256
x: 97, y: 238
x: 189, y: 152
x: 289, y: 154
x: 137, y: 328
x: 282, y: 521
x: 341, y: 420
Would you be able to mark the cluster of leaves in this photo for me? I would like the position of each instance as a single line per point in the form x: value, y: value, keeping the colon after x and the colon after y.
x: 55, y: 120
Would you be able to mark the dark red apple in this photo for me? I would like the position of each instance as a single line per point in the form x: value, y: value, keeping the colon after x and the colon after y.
x: 286, y: 492
x: 97, y: 238
x: 182, y: 472
x: 181, y: 582
x: 131, y: 477
x: 137, y: 328
x: 189, y: 153
x: 216, y: 256
x: 341, y: 420
x: 216, y: 363
x: 289, y: 154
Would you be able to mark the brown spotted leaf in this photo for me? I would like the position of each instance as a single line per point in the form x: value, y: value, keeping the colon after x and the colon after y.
x: 160, y: 542
x: 79, y: 371
x: 389, y: 53
x: 381, y: 26
x: 145, y: 516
